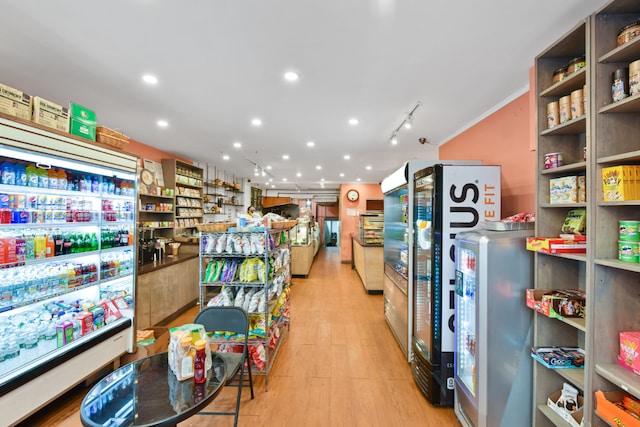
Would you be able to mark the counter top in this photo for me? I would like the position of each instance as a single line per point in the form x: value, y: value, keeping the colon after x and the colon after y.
x: 165, y: 262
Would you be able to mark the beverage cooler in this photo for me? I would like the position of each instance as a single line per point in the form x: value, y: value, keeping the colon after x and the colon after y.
x: 493, y: 368
x: 67, y: 263
x: 447, y: 199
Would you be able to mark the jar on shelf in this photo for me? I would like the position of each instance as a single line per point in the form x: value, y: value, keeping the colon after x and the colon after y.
x: 628, y: 33
x: 565, y: 108
x: 620, y: 84
x: 576, y: 64
x: 577, y: 103
x: 553, y: 114
x: 559, y: 75
x: 634, y: 77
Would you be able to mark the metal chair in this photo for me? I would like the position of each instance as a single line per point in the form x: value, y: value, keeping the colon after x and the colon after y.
x: 232, y: 319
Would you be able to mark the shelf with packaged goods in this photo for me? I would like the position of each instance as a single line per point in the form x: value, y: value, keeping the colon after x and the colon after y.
x: 46, y: 299
x: 250, y: 268
x: 615, y: 135
x: 561, y: 271
x: 188, y: 181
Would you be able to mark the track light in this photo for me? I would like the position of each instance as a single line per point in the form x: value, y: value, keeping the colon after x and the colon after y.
x: 406, y: 123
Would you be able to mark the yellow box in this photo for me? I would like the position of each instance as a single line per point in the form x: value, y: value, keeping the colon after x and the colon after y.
x: 563, y: 190
x: 15, y: 103
x: 582, y: 189
x: 50, y: 114
x: 619, y: 183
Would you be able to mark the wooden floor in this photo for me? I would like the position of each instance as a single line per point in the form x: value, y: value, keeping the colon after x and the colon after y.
x: 339, y: 365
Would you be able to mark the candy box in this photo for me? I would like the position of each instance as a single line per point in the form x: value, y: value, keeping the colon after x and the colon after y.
x: 573, y: 418
x: 15, y: 103
x: 556, y: 245
x: 619, y: 183
x: 563, y: 190
x: 50, y: 114
x: 629, y: 357
x: 608, y: 407
x: 557, y: 303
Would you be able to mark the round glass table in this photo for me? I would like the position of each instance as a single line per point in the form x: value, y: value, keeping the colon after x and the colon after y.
x: 147, y: 393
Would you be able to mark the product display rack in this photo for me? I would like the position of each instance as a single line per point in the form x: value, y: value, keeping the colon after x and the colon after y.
x: 223, y: 194
x: 188, y: 181
x: 616, y: 132
x: 241, y: 256
x: 561, y: 271
x: 46, y: 288
x: 156, y: 214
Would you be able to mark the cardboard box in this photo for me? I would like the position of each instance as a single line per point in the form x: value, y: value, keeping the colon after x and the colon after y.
x: 49, y: 114
x: 573, y: 418
x: 582, y: 189
x: 15, y: 103
x: 563, y: 190
x: 557, y: 303
x: 629, y: 357
x: 82, y: 121
x: 607, y: 409
x: 619, y: 183
x: 556, y: 245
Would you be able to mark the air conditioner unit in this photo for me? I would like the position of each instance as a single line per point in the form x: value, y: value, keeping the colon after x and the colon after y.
x: 325, y: 198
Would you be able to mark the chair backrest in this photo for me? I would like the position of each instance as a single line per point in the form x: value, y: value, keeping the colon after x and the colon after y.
x: 232, y: 319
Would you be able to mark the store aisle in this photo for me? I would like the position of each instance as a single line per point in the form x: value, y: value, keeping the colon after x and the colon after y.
x: 338, y: 366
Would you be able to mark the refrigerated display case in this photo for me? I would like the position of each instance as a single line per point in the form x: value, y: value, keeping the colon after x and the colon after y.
x: 447, y: 199
x: 68, y: 262
x: 493, y: 367
x: 398, y: 248
x: 371, y: 228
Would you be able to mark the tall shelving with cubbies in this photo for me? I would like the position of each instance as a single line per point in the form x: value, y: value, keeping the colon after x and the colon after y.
x: 561, y: 271
x: 187, y: 180
x: 616, y: 131
x: 251, y: 270
x: 223, y: 195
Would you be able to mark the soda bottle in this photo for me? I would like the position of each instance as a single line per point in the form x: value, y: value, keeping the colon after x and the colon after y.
x: 74, y: 243
x: 40, y: 245
x: 199, y: 370
x: 86, y: 245
x: 21, y: 174
x: 59, y: 244
x: 95, y: 184
x: 66, y: 243
x: 94, y: 242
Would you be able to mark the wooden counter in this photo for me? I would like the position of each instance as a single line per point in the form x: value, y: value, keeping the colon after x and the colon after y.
x: 368, y: 261
x: 166, y: 287
x: 302, y: 258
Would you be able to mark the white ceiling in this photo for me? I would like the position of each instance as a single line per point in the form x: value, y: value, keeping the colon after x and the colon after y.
x: 221, y: 63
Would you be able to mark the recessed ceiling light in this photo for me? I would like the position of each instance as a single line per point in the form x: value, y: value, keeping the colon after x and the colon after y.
x: 394, y: 141
x: 291, y: 76
x: 358, y: 179
x: 298, y: 174
x: 318, y: 167
x: 341, y: 175
x: 368, y: 168
x: 321, y: 179
x: 347, y: 157
x: 285, y: 156
x: 268, y: 167
x: 162, y: 123
x: 256, y: 122
x: 225, y: 157
x: 148, y: 78
x: 273, y: 186
x: 353, y: 121
x: 237, y: 144
x: 284, y: 179
x: 310, y: 143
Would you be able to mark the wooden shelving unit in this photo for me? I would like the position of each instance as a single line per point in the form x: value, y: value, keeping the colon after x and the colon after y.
x: 188, y: 182
x: 610, y: 131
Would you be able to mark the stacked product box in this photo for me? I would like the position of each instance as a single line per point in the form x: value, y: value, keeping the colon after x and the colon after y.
x: 629, y: 357
x: 567, y: 189
x: 82, y: 121
x: 620, y: 183
x: 564, y: 244
x: 50, y: 114
x: 15, y: 103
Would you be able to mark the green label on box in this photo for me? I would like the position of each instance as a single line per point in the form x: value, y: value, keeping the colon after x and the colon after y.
x: 81, y: 129
x: 83, y: 114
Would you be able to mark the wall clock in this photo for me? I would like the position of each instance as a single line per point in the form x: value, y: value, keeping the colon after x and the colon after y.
x: 352, y: 195
x: 147, y: 177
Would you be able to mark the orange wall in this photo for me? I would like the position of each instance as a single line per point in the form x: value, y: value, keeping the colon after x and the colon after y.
x: 148, y: 152
x: 503, y: 138
x: 349, y: 224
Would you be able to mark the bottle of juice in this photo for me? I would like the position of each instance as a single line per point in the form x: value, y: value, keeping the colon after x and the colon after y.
x: 40, y: 245
x: 32, y: 175
x: 62, y: 179
x: 53, y: 178
x: 21, y: 174
x: 50, y: 245
x: 199, y: 371
x: 43, y: 178
x: 29, y: 250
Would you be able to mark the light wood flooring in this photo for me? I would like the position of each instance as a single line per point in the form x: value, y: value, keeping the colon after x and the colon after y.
x: 339, y: 365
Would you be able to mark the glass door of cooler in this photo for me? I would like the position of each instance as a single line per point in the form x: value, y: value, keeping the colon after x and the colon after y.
x: 466, y: 319
x: 425, y: 303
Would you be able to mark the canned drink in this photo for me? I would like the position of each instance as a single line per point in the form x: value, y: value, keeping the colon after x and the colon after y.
x: 19, y: 216
x: 5, y: 216
x: 552, y: 160
x: 43, y: 201
x: 20, y: 201
x: 32, y: 201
